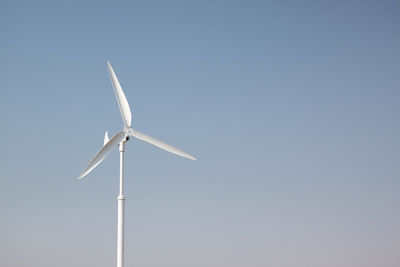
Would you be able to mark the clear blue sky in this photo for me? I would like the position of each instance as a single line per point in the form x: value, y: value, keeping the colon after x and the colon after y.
x: 292, y: 108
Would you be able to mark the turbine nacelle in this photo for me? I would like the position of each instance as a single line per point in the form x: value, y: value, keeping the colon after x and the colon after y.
x: 128, y: 131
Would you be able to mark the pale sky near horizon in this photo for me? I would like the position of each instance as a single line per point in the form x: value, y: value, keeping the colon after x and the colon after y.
x: 291, y: 107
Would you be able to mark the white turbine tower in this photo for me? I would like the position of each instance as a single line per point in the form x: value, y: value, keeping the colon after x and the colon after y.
x: 121, y: 138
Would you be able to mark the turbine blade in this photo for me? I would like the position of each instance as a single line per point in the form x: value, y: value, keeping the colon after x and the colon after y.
x: 158, y: 143
x: 106, y: 138
x: 103, y: 152
x: 119, y: 94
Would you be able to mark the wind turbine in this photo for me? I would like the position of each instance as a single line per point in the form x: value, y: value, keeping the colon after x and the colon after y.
x: 121, y: 138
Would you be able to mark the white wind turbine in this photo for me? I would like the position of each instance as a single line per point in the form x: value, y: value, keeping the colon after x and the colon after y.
x: 121, y: 138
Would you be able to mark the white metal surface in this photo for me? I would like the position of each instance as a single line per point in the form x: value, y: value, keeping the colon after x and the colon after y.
x: 160, y: 144
x: 119, y: 94
x: 103, y: 152
x: 106, y: 138
x: 121, y: 208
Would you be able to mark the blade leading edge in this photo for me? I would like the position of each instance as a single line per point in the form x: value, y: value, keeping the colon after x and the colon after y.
x: 160, y: 144
x: 102, y: 154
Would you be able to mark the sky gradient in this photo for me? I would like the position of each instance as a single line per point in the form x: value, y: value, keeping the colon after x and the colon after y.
x: 292, y: 109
